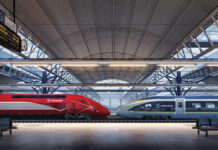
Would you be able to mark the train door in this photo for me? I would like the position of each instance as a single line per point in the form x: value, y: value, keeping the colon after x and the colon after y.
x: 180, y: 105
x: 70, y: 107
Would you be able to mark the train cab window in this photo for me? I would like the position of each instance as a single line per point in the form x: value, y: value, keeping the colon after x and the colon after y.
x: 83, y: 101
x: 138, y: 108
x: 210, y: 105
x: 196, y: 105
x: 179, y: 104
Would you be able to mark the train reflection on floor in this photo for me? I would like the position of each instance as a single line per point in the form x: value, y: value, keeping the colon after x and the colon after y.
x: 102, y: 136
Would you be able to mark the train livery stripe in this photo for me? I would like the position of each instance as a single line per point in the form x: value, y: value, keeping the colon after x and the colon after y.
x: 133, y: 102
x: 151, y: 111
x: 25, y: 106
x: 168, y: 112
x: 145, y: 101
x: 203, y: 112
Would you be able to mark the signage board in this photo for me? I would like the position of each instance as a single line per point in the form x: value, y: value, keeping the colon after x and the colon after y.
x: 10, y: 24
x: 9, y: 39
x: 2, y: 17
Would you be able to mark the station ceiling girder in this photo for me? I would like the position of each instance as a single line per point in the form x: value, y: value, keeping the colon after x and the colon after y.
x: 109, y: 85
x: 111, y: 63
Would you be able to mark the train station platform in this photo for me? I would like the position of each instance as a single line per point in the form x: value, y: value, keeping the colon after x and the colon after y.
x: 104, y: 136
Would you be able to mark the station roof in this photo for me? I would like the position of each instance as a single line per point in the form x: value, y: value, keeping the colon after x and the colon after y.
x: 110, y: 29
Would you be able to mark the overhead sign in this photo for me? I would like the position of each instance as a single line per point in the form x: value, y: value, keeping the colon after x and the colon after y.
x: 10, y: 24
x: 2, y: 16
x: 9, y: 38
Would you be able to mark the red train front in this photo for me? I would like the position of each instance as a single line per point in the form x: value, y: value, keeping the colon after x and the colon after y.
x: 69, y: 106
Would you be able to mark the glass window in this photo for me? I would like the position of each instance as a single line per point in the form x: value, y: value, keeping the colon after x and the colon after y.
x: 148, y: 105
x: 166, y: 106
x: 179, y: 104
x: 210, y: 105
x: 196, y: 105
x: 83, y: 101
x: 138, y: 108
x: 38, y: 96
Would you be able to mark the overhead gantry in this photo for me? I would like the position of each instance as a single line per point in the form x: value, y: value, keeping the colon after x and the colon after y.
x: 110, y: 63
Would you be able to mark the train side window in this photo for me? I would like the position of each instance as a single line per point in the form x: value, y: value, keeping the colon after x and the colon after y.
x: 210, y: 105
x: 179, y: 104
x: 147, y: 105
x: 167, y: 106
x: 38, y: 96
x: 196, y: 105
x: 83, y: 101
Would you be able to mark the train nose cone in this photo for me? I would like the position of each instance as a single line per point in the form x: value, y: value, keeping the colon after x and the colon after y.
x: 119, y: 112
x: 103, y: 111
x: 106, y: 111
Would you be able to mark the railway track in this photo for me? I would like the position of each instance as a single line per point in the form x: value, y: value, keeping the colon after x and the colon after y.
x: 104, y: 121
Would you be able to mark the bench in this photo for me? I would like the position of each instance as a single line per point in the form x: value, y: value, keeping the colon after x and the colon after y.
x: 206, y: 125
x: 206, y: 129
x: 6, y: 125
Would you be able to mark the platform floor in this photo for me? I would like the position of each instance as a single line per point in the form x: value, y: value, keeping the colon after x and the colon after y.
x: 107, y: 136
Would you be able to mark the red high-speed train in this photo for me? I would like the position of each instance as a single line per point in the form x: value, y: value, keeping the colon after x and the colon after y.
x: 66, y: 105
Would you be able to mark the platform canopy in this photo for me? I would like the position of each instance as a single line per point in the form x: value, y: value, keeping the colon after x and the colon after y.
x: 110, y: 29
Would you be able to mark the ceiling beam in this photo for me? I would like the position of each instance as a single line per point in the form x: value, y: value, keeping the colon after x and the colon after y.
x: 108, y: 85
x: 110, y: 63
x: 105, y: 90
